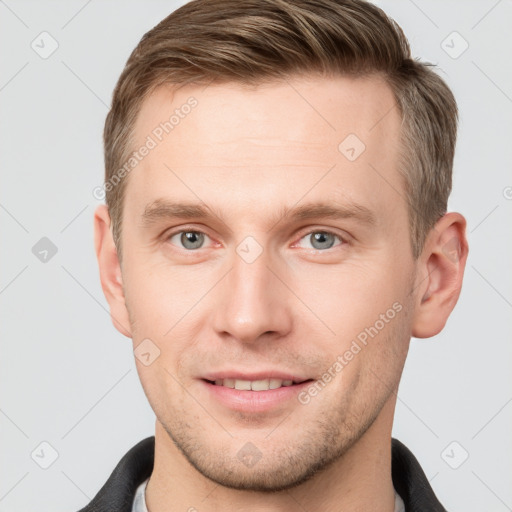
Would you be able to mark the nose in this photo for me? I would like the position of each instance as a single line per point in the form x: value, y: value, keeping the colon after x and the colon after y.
x: 253, y: 301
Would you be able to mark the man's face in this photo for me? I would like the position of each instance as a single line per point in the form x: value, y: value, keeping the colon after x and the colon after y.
x: 251, y: 290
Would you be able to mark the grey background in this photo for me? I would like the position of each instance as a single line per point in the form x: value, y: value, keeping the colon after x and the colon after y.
x: 68, y: 378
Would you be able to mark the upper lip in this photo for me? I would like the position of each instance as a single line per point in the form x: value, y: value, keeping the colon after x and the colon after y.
x: 260, y: 375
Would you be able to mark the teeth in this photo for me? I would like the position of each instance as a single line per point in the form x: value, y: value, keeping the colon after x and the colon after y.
x: 254, y: 385
x: 259, y: 385
x: 275, y: 383
x: 243, y: 385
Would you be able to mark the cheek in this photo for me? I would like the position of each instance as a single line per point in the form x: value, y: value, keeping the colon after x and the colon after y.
x: 156, y: 299
x: 155, y: 383
x: 369, y: 315
x: 349, y: 298
x: 163, y: 380
x: 373, y: 373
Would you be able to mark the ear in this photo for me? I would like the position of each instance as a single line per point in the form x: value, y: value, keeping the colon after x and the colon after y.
x: 110, y: 270
x: 440, y: 272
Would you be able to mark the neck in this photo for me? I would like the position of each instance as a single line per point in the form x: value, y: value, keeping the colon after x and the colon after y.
x: 359, y: 480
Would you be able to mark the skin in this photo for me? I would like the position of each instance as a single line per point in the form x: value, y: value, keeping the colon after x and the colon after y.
x: 247, y: 153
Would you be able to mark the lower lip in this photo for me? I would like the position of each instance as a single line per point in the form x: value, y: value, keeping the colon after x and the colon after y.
x: 254, y: 401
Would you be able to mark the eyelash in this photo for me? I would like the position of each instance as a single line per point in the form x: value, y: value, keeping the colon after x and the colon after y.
x: 324, y: 231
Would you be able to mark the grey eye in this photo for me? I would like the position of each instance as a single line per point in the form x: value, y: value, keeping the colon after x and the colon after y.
x: 190, y: 239
x: 321, y: 240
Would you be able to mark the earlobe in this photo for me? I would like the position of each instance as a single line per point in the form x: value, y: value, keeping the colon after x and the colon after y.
x: 441, y: 269
x: 110, y: 270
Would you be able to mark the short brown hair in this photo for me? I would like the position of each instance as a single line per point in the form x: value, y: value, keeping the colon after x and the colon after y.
x: 251, y: 41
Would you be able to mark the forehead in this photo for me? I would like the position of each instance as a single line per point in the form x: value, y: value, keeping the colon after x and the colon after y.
x: 269, y: 145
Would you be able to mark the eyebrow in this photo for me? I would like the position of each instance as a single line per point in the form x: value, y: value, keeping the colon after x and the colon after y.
x: 163, y: 209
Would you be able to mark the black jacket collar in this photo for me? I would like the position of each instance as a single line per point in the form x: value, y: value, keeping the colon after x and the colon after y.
x: 136, y: 466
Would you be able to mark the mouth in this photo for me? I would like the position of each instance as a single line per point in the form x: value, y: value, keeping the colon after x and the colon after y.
x: 256, y: 385
x: 261, y: 396
x: 256, y: 391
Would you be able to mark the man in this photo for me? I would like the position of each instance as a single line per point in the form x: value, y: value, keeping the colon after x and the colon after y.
x: 277, y: 177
